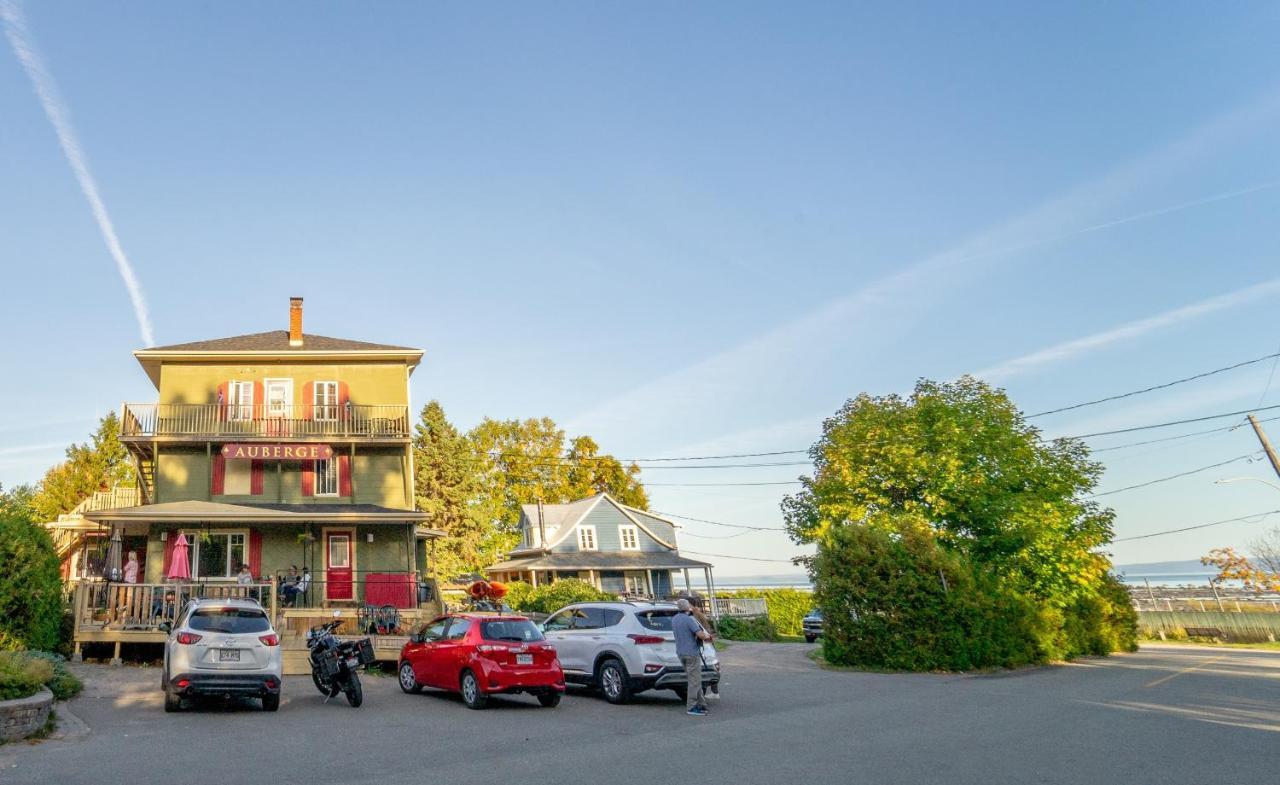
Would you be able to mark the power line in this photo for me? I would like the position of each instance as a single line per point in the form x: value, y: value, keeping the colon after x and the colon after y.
x: 716, y: 536
x: 713, y: 484
x: 1257, y: 516
x: 1240, y: 413
x: 1155, y: 387
x: 742, y: 558
x: 719, y: 523
x: 1176, y: 476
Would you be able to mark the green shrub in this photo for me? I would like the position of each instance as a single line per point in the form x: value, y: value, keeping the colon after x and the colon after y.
x: 747, y: 628
x: 64, y: 684
x: 901, y: 602
x: 30, y: 584
x: 21, y: 675
x: 787, y: 607
x: 551, y: 598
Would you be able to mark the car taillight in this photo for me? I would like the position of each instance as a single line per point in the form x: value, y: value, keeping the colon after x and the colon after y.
x: 489, y: 648
x: 271, y: 683
x: 644, y: 640
x: 182, y: 684
x: 270, y: 640
x: 652, y: 668
x: 187, y: 638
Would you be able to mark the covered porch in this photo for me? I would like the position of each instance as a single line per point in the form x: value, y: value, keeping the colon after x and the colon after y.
x: 653, y: 576
x: 364, y: 563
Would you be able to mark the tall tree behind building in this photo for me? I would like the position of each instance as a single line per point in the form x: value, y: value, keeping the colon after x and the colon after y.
x: 99, y: 464
x: 446, y: 476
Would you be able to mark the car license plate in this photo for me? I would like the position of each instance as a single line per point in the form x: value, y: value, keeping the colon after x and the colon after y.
x: 352, y: 662
x: 524, y: 659
x: 228, y: 655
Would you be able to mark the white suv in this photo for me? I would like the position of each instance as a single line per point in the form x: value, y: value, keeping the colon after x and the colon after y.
x: 623, y: 648
x: 222, y: 648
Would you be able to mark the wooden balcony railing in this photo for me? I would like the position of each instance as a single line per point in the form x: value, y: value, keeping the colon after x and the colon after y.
x: 264, y: 421
x: 143, y: 607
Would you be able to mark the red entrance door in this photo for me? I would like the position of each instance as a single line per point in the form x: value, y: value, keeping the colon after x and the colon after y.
x: 338, y: 583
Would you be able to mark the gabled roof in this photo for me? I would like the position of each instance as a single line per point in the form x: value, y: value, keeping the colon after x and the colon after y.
x: 278, y: 341
x: 560, y: 519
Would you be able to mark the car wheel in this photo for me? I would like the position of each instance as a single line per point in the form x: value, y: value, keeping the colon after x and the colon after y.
x: 471, y: 694
x: 810, y: 638
x: 172, y: 701
x: 613, y: 681
x: 549, y: 700
x: 271, y: 702
x: 409, y: 680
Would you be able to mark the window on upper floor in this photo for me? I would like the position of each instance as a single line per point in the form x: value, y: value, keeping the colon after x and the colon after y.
x: 586, y: 538
x: 630, y: 537
x: 327, y: 477
x: 326, y: 402
x: 240, y: 400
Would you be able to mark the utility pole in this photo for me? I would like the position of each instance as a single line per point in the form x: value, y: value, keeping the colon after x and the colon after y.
x: 1266, y: 444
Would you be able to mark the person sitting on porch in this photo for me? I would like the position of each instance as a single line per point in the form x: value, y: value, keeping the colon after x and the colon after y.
x: 165, y: 608
x: 243, y: 576
x: 301, y: 587
x: 289, y: 585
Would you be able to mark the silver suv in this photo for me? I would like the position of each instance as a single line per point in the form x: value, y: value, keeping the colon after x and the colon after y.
x: 623, y: 648
x: 222, y: 648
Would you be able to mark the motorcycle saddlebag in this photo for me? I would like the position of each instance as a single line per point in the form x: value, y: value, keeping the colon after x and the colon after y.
x: 329, y: 662
x: 364, y: 650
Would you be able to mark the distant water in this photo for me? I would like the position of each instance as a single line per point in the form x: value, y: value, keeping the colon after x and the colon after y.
x: 1168, y: 573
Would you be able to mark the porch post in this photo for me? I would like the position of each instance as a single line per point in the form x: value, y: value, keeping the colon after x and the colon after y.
x: 648, y: 582
x: 711, y: 593
x: 591, y: 578
x: 534, y: 577
x: 688, y: 587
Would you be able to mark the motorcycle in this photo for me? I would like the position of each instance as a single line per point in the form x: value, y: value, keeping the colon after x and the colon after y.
x: 335, y: 663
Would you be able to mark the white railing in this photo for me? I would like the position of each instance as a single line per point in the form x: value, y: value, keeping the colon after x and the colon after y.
x: 740, y: 606
x: 271, y: 421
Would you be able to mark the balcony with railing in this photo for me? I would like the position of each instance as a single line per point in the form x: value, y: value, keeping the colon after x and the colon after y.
x: 200, y: 421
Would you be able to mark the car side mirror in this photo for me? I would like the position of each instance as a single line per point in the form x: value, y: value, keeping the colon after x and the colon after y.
x: 165, y: 627
x: 415, y: 638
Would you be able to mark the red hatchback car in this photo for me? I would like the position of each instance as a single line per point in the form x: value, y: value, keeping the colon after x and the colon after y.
x: 479, y: 655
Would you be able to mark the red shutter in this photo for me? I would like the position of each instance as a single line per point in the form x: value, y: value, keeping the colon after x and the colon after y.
x: 219, y: 473
x: 255, y: 553
x: 308, y: 400
x: 224, y: 390
x: 344, y: 396
x: 259, y: 401
x: 344, y: 475
x: 308, y: 478
x: 255, y: 478
x: 168, y: 554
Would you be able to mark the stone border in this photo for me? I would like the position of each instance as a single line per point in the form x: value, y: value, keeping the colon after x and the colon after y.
x: 21, y: 717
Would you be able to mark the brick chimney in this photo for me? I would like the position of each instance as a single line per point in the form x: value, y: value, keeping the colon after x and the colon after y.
x: 295, y: 321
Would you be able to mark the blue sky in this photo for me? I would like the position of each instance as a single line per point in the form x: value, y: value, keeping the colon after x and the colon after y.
x: 683, y: 229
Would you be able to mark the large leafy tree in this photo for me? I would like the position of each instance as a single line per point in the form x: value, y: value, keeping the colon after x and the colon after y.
x: 99, y: 464
x: 961, y: 458
x: 956, y: 464
x: 30, y: 583
x: 474, y: 484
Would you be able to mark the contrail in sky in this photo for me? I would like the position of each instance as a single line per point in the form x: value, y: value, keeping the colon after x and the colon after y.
x: 15, y: 27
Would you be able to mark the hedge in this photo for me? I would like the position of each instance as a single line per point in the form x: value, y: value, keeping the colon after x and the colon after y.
x: 747, y: 628
x: 550, y: 598
x: 30, y: 585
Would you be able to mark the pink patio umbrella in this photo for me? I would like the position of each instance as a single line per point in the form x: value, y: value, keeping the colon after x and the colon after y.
x: 178, y: 568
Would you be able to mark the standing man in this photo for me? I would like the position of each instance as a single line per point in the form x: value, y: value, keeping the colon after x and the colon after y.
x: 689, y: 637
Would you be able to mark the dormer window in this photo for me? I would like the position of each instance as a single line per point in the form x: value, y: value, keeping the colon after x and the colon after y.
x: 586, y: 538
x: 630, y: 537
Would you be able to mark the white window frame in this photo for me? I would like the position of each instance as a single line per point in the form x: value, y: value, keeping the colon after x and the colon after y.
x: 238, y: 408
x: 288, y: 397
x: 195, y: 537
x: 324, y: 405
x: 634, y: 533
x: 331, y: 469
x: 587, y: 540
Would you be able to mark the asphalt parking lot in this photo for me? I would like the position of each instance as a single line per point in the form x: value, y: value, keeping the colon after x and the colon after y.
x: 1163, y: 715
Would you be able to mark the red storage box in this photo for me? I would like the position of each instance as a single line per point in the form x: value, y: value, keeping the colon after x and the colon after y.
x: 390, y: 588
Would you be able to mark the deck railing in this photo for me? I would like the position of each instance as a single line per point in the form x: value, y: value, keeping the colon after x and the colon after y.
x: 143, y: 607
x: 264, y: 421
